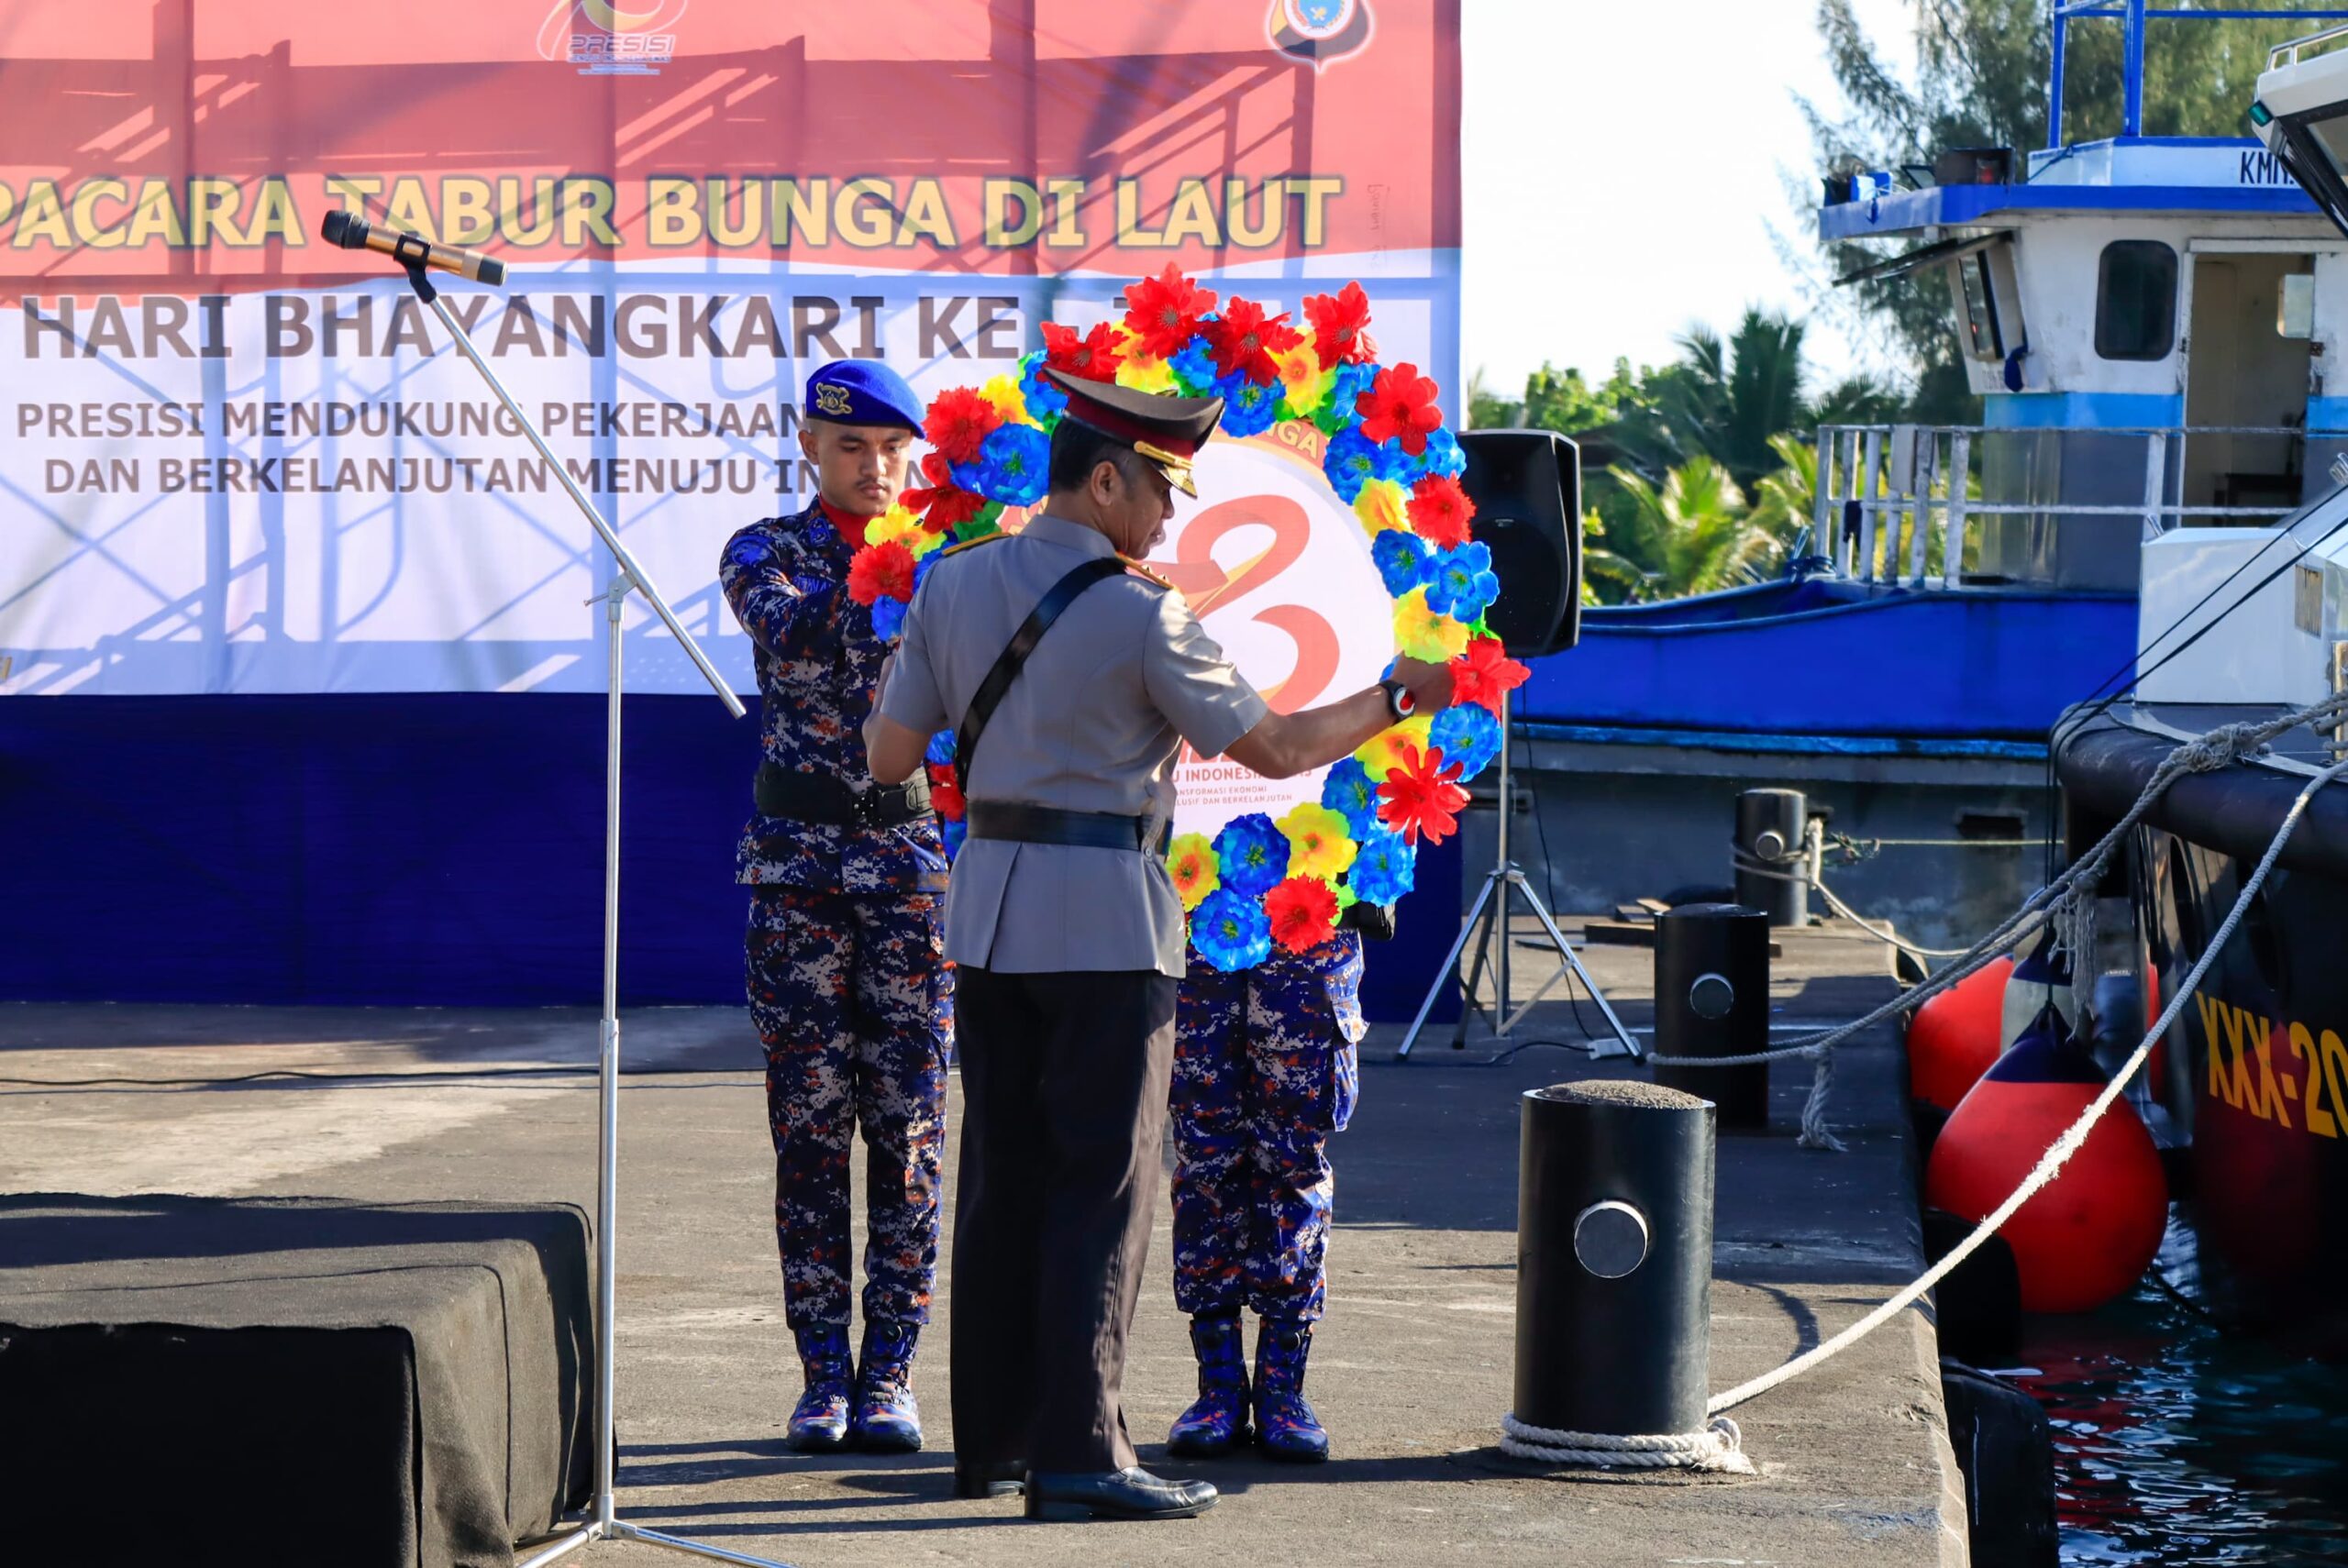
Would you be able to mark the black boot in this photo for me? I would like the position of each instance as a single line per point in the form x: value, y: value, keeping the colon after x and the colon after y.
x: 1218, y: 1418
x: 1286, y: 1427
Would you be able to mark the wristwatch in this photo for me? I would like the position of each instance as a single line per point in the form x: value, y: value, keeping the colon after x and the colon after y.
x: 1398, y: 700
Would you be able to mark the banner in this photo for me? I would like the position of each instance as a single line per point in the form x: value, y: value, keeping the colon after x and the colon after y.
x: 247, y: 462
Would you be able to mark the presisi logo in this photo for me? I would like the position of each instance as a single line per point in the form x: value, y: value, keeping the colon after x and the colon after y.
x: 602, y: 40
x: 1320, y: 31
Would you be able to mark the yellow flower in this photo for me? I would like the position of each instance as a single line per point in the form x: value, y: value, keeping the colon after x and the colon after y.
x: 1191, y: 861
x: 1145, y: 374
x: 893, y: 523
x: 1318, y: 842
x: 1382, y: 505
x: 1304, y: 384
x: 1008, y: 400
x: 1424, y: 632
x: 921, y: 541
x: 1383, y: 752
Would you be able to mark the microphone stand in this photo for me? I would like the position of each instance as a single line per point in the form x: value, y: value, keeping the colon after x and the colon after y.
x: 603, y: 1523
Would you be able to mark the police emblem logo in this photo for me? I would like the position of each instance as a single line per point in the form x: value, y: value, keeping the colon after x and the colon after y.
x: 1320, y: 31
x: 833, y: 399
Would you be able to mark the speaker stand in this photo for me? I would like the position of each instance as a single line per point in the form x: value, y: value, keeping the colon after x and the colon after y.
x: 1488, y: 925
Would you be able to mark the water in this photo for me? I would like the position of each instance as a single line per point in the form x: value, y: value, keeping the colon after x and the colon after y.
x: 2177, y: 1443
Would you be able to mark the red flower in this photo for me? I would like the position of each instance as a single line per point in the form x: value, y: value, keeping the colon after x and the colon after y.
x: 879, y: 572
x: 1304, y: 911
x: 957, y: 422
x: 944, y: 799
x: 1439, y: 509
x: 1483, y: 673
x: 1401, y: 402
x: 1243, y: 340
x: 1166, y: 311
x: 1094, y: 355
x: 950, y: 507
x: 1421, y: 795
x: 1338, y: 321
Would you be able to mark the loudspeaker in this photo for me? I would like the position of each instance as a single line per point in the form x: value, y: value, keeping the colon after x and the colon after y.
x: 1526, y: 485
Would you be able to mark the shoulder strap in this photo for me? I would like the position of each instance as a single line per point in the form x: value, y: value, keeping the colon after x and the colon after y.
x: 1060, y: 595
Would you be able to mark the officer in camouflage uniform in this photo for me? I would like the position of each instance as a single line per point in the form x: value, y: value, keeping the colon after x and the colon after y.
x: 1265, y: 1067
x: 847, y: 979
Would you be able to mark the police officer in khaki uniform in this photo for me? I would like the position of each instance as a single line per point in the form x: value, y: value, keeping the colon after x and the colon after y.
x: 1065, y: 930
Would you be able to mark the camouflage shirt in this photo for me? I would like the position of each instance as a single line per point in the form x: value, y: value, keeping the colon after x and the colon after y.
x: 817, y: 663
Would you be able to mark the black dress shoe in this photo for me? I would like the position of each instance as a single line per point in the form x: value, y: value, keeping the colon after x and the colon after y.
x: 1004, y: 1479
x: 1132, y: 1492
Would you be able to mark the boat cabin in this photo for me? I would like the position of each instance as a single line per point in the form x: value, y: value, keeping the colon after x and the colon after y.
x: 2156, y: 325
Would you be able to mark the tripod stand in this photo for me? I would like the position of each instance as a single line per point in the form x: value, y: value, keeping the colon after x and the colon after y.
x: 1487, y: 922
x: 604, y: 1523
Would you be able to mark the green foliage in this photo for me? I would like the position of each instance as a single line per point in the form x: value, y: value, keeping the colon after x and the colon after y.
x: 1692, y: 533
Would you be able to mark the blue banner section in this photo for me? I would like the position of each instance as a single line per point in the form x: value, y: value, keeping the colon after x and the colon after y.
x: 426, y: 849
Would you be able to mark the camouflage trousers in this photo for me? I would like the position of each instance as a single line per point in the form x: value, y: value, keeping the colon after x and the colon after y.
x: 854, y: 1000
x: 1265, y: 1067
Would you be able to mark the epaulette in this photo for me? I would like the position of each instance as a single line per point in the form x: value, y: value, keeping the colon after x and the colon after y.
x: 973, y: 543
x: 1142, y: 572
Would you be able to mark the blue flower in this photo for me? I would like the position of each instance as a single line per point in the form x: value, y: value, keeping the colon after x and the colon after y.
x: 953, y: 834
x: 888, y: 617
x: 1349, y: 793
x: 1045, y: 399
x: 1401, y: 561
x: 1345, y: 387
x: 1469, y: 735
x: 939, y: 753
x: 1249, y: 408
x: 1460, y: 582
x: 1252, y: 855
x: 921, y: 568
x: 1351, y: 463
x: 1383, y: 867
x: 1443, y: 455
x: 1230, y: 931
x: 1014, y: 464
x: 1193, y: 366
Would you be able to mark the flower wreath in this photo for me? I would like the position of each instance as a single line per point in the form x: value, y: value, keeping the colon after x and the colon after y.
x: 1258, y: 881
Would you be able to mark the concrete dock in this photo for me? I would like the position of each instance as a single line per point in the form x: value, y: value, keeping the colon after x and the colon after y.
x: 1411, y: 1369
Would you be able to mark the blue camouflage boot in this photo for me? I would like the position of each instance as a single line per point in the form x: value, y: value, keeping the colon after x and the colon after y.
x: 1219, y: 1417
x: 1286, y: 1427
x: 887, y: 1421
x: 819, y: 1421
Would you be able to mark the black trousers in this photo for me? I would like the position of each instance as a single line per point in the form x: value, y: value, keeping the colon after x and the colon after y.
x: 1064, y: 1088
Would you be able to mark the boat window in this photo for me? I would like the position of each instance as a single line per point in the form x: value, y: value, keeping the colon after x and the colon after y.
x: 2136, y: 301
x: 1979, y: 315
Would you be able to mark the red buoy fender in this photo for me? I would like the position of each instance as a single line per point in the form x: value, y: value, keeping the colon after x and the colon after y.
x: 1955, y: 1036
x: 2087, y: 1237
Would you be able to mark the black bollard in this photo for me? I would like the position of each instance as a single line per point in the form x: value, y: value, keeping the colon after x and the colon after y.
x: 1769, y: 829
x: 1614, y: 1258
x: 1711, y: 999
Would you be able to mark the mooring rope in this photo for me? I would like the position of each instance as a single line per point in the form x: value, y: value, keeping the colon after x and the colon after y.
x: 1696, y: 1450
x: 2221, y: 747
x: 1720, y: 1446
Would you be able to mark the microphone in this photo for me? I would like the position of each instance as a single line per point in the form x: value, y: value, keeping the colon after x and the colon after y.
x: 353, y: 232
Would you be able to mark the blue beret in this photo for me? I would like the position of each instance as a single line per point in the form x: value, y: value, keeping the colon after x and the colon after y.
x: 862, y: 391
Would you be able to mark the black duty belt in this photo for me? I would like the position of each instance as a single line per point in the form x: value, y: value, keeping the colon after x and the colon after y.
x: 825, y: 798
x: 1050, y: 824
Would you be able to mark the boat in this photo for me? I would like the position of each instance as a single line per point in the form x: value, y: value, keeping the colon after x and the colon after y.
x: 2245, y: 625
x: 2149, y: 322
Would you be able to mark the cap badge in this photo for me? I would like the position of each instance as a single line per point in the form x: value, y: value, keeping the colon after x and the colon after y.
x: 833, y: 399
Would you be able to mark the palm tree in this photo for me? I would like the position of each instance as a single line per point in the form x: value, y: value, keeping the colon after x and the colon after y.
x: 1691, y: 534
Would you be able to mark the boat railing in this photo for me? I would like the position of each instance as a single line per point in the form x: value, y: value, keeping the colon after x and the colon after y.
x: 1894, y: 496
